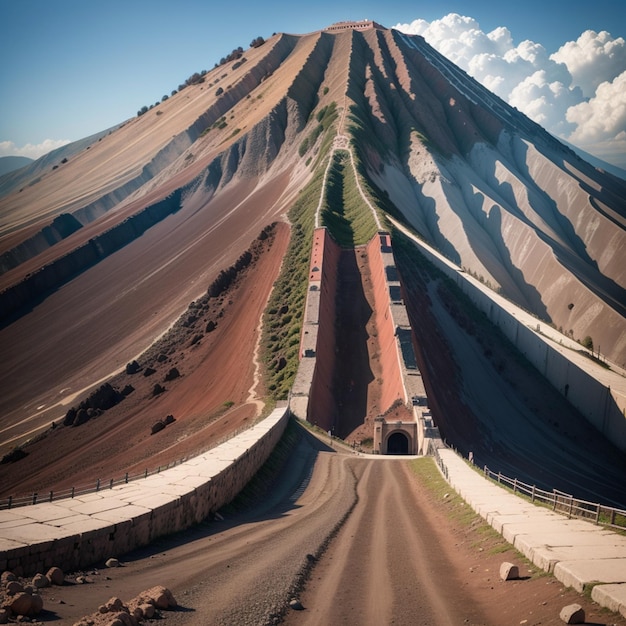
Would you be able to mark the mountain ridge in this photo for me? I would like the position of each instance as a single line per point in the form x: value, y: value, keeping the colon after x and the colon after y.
x: 476, y: 178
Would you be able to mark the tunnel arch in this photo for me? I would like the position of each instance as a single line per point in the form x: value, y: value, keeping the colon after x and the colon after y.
x: 398, y: 443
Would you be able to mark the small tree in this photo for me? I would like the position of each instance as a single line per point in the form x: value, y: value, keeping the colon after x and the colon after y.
x: 587, y: 342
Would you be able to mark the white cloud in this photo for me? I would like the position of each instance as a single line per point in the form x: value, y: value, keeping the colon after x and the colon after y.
x: 573, y: 93
x: 593, y: 59
x: 8, y: 148
x: 603, y: 116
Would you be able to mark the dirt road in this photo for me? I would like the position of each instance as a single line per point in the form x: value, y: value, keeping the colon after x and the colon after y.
x: 356, y: 540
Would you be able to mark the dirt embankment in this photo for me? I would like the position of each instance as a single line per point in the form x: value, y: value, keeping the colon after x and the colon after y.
x: 200, y: 372
x: 486, y: 398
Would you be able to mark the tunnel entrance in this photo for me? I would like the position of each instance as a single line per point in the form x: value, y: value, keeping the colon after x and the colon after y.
x: 398, y: 443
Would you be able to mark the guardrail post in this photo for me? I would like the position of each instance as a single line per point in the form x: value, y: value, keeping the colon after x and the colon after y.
x: 10, y: 501
x: 50, y: 497
x: 98, y: 485
x: 111, y: 484
x: 532, y: 494
x: 598, y: 514
x: 515, y: 485
x: 35, y: 498
x: 73, y: 492
x: 554, y: 500
x: 126, y: 478
x: 146, y: 473
x: 571, y: 505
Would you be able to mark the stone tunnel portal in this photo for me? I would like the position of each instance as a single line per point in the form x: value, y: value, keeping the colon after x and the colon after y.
x: 398, y: 443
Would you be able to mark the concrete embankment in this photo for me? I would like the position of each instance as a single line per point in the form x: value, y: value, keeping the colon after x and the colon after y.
x: 74, y: 533
x: 312, y: 392
x: 344, y: 379
x: 392, y: 387
x: 598, y: 393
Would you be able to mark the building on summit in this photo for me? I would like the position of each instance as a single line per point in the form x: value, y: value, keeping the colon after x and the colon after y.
x: 360, y: 25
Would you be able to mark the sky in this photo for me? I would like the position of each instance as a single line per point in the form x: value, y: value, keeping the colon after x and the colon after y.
x: 72, y: 68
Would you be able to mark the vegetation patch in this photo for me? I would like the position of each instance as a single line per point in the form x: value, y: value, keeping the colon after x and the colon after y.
x: 325, y: 118
x: 345, y: 213
x: 282, y: 322
x: 480, y: 535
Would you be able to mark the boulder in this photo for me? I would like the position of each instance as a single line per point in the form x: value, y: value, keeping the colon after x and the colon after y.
x: 508, y: 571
x: 37, y: 604
x: 13, y: 587
x: 4, y: 616
x: 81, y: 417
x: 159, y: 596
x: 169, y: 419
x: 172, y: 374
x: 26, y: 604
x: 158, y: 390
x: 70, y: 416
x: 6, y: 577
x: 112, y: 562
x: 157, y: 427
x: 132, y: 367
x: 573, y: 614
x: 114, y: 605
x: 40, y: 581
x: 56, y: 576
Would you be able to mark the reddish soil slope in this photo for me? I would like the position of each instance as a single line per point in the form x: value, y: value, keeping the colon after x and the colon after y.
x: 216, y: 371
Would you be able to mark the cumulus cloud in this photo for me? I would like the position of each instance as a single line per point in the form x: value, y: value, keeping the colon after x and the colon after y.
x: 32, y: 151
x: 592, y: 59
x: 603, y: 116
x: 577, y: 93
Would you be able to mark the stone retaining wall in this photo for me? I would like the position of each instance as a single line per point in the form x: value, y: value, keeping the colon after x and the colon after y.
x: 77, y: 533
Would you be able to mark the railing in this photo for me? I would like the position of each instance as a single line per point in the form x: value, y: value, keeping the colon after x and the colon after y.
x: 100, y: 485
x: 564, y: 503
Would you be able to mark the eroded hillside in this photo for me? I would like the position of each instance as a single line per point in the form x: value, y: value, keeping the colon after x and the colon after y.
x: 101, y: 253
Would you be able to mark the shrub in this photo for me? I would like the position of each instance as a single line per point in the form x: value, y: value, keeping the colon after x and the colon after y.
x: 587, y: 342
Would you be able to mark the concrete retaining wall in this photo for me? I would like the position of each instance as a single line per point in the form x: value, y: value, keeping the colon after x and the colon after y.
x: 604, y: 409
x: 392, y: 387
x: 76, y: 533
x: 312, y: 394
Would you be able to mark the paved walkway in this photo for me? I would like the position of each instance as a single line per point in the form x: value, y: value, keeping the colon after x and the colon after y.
x: 576, y: 552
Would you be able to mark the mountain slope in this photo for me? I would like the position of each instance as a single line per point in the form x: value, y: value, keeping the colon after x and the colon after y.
x: 103, y: 249
x: 11, y: 163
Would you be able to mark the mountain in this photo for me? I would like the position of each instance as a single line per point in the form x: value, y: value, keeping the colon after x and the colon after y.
x: 596, y: 162
x: 102, y: 249
x: 12, y: 163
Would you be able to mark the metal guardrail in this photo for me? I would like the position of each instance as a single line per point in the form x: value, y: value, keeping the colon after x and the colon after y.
x: 100, y: 485
x: 562, y: 502
x: 556, y: 500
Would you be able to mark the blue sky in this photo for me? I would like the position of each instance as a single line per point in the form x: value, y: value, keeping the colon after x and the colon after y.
x: 70, y: 68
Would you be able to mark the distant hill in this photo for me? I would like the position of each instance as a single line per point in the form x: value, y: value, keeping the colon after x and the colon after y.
x: 596, y: 162
x: 12, y: 163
